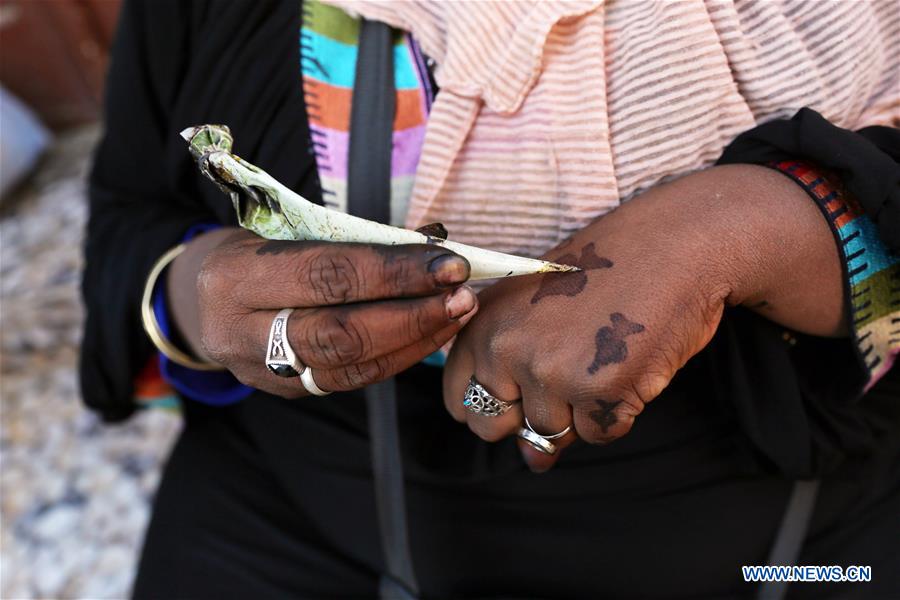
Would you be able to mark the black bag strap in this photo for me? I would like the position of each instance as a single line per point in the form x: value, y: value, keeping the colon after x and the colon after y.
x: 399, y: 582
x: 791, y: 533
x: 369, y: 196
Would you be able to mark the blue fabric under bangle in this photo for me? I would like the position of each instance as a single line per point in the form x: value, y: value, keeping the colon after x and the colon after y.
x: 217, y: 388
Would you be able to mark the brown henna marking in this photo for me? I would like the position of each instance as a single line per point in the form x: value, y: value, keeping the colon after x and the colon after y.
x: 571, y: 284
x: 611, y: 346
x: 606, y: 416
x: 589, y: 259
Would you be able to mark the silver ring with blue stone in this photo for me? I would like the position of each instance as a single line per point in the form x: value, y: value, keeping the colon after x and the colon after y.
x: 280, y: 357
x: 479, y: 401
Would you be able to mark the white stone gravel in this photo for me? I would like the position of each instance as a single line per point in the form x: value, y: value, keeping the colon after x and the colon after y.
x: 74, y: 493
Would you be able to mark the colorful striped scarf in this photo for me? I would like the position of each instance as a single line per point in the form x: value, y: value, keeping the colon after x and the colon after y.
x: 328, y: 48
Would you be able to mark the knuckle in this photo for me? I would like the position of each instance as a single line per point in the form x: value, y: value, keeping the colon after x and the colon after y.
x: 650, y: 384
x: 626, y: 423
x: 617, y: 383
x: 633, y: 390
x: 501, y: 344
x: 628, y: 406
x: 210, y: 282
x: 214, y: 350
x: 332, y: 276
x: 397, y: 270
x: 546, y: 374
x: 362, y: 374
x: 347, y: 378
x: 337, y: 340
x: 607, y: 418
x: 222, y: 337
x: 214, y: 342
x: 420, y: 321
x: 546, y: 417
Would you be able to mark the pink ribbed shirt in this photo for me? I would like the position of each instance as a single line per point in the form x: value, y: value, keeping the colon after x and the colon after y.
x: 552, y: 113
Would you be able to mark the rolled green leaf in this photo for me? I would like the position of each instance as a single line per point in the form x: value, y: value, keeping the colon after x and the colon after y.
x: 271, y: 210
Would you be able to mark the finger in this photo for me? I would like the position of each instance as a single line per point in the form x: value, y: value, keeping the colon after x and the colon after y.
x: 348, y: 378
x: 605, y: 420
x: 332, y: 337
x: 458, y: 369
x: 502, y: 387
x: 547, y: 417
x: 257, y: 376
x: 378, y: 369
x: 274, y: 274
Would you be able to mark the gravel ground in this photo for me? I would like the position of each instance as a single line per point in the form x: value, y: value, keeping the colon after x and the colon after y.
x: 74, y: 494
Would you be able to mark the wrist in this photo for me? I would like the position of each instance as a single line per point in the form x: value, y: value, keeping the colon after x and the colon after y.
x: 768, y: 248
x: 181, y: 286
x: 740, y: 239
x: 733, y: 235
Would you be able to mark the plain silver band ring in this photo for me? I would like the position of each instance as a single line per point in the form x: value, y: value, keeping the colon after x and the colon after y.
x: 280, y: 357
x: 479, y: 401
x: 306, y: 378
x: 537, y: 441
x: 555, y: 436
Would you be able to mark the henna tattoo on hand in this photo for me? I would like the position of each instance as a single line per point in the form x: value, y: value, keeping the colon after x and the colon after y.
x: 606, y: 415
x: 571, y: 284
x: 611, y: 346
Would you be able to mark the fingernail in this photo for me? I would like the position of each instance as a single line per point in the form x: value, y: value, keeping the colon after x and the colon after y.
x: 461, y: 301
x: 449, y: 269
x: 463, y: 320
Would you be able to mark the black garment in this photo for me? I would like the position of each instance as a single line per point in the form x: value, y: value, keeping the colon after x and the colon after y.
x: 176, y: 64
x: 867, y: 161
x: 274, y: 498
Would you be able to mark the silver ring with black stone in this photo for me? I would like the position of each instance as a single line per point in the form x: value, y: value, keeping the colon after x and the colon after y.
x: 280, y: 357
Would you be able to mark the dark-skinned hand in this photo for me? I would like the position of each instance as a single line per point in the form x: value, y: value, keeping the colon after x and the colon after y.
x: 363, y: 312
x: 589, y: 350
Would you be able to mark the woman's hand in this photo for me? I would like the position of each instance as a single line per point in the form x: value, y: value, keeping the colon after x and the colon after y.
x: 364, y: 312
x: 589, y: 350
